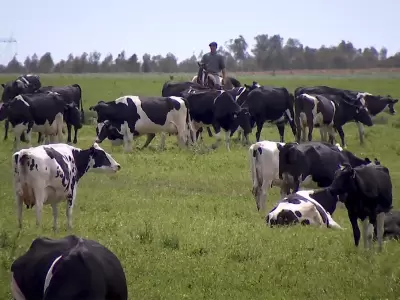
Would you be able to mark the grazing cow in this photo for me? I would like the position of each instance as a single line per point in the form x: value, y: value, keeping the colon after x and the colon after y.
x: 24, y: 84
x: 315, y: 159
x: 314, y: 111
x: 130, y: 116
x: 68, y: 268
x: 219, y: 109
x: 302, y: 207
x: 49, y: 174
x: 264, y: 167
x: 205, y: 79
x: 36, y: 112
x: 368, y: 196
x: 374, y: 104
x: 273, y: 105
x: 70, y: 94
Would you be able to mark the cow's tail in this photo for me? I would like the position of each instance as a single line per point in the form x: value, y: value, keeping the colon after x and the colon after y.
x: 254, y: 153
x: 290, y: 113
x: 20, y: 164
x: 332, y: 223
x: 80, y: 101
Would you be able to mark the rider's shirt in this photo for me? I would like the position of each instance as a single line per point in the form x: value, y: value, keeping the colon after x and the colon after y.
x: 215, y: 62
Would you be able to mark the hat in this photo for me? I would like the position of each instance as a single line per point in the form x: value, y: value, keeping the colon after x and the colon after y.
x: 213, y: 44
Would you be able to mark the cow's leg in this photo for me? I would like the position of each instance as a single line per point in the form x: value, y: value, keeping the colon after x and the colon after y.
x: 310, y: 125
x: 59, y: 127
x: 239, y: 136
x: 19, y: 203
x: 6, y: 126
x: 217, y: 130
x: 299, y: 128
x: 39, y: 194
x: 75, y: 135
x: 69, y: 127
x: 18, y: 130
x: 150, y: 137
x: 162, y: 141
x: 228, y: 135
x: 70, y: 206
x: 331, y: 134
x: 356, y: 230
x: 259, y: 128
x: 55, y: 216
x: 365, y: 225
x: 262, y: 195
x: 341, y: 134
x: 209, y: 132
x: 281, y: 130
x: 361, y: 132
x: 380, y: 222
x: 127, y: 138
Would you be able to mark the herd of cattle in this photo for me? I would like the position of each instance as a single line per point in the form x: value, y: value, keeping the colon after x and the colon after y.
x: 50, y: 173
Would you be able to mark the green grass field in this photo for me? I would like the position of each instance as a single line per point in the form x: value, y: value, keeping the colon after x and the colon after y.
x: 185, y: 226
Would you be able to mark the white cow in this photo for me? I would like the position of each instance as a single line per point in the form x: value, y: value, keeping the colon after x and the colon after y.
x: 300, y: 207
x: 129, y: 117
x: 49, y: 174
x: 264, y: 167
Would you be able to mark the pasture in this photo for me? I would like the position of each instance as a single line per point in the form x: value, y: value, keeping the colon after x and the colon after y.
x: 184, y: 223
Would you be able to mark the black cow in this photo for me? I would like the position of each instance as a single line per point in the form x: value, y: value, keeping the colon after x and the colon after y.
x: 68, y: 268
x: 368, y: 196
x: 218, y: 109
x: 270, y: 104
x: 374, y: 104
x: 38, y: 112
x: 70, y: 94
x: 128, y: 117
x: 317, y: 160
x: 24, y: 84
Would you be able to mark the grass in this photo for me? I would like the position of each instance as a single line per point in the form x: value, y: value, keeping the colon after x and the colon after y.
x: 185, y: 226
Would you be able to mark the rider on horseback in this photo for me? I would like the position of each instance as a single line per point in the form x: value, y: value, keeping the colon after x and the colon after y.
x: 215, y: 63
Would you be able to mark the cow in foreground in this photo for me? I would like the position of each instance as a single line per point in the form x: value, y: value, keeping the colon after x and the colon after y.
x: 317, y: 160
x: 218, y: 109
x: 271, y: 104
x: 71, y: 94
x: 24, y: 84
x: 49, y: 174
x: 129, y: 117
x: 264, y: 169
x: 302, y: 207
x: 68, y: 268
x: 367, y: 194
x: 42, y: 113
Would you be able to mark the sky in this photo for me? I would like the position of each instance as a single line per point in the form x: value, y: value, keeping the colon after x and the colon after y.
x: 184, y: 27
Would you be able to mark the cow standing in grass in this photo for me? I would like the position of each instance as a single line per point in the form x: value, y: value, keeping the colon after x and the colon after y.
x: 24, y: 84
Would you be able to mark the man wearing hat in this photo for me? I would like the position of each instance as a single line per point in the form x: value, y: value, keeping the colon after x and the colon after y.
x: 215, y: 63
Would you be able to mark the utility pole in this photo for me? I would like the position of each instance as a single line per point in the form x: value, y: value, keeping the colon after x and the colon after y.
x: 8, y: 41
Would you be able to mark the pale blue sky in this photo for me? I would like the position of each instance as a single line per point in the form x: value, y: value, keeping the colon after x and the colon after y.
x: 182, y: 27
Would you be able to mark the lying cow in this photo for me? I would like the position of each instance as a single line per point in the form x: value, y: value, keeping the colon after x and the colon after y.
x: 317, y: 160
x: 68, y: 268
x: 39, y: 113
x: 367, y: 192
x: 24, y: 84
x: 302, y: 207
x: 49, y: 174
x: 129, y: 117
x: 271, y: 104
x: 264, y: 167
x: 218, y: 109
x: 70, y: 94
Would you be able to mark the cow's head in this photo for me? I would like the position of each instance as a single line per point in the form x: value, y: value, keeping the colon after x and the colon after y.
x: 101, y: 161
x: 101, y: 109
x: 362, y: 113
x: 4, y: 110
x: 72, y: 115
x: 107, y: 130
x: 10, y: 90
x: 291, y: 160
x: 243, y: 119
x: 390, y: 103
x: 344, y: 180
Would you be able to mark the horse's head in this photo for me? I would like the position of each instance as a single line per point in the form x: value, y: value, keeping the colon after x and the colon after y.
x: 202, y: 73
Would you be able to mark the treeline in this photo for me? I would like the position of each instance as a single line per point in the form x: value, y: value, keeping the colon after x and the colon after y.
x: 268, y: 53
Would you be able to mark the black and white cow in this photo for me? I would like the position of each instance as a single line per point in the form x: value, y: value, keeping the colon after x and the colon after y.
x: 303, y: 207
x: 271, y: 104
x: 70, y: 94
x: 317, y: 160
x: 374, y: 104
x: 39, y: 113
x: 24, y: 84
x: 49, y: 174
x: 129, y: 117
x: 367, y: 192
x: 68, y: 268
x: 218, y: 109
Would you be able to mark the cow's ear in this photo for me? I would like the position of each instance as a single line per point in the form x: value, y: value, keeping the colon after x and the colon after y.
x: 367, y: 160
x: 376, y: 161
x: 3, y: 85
